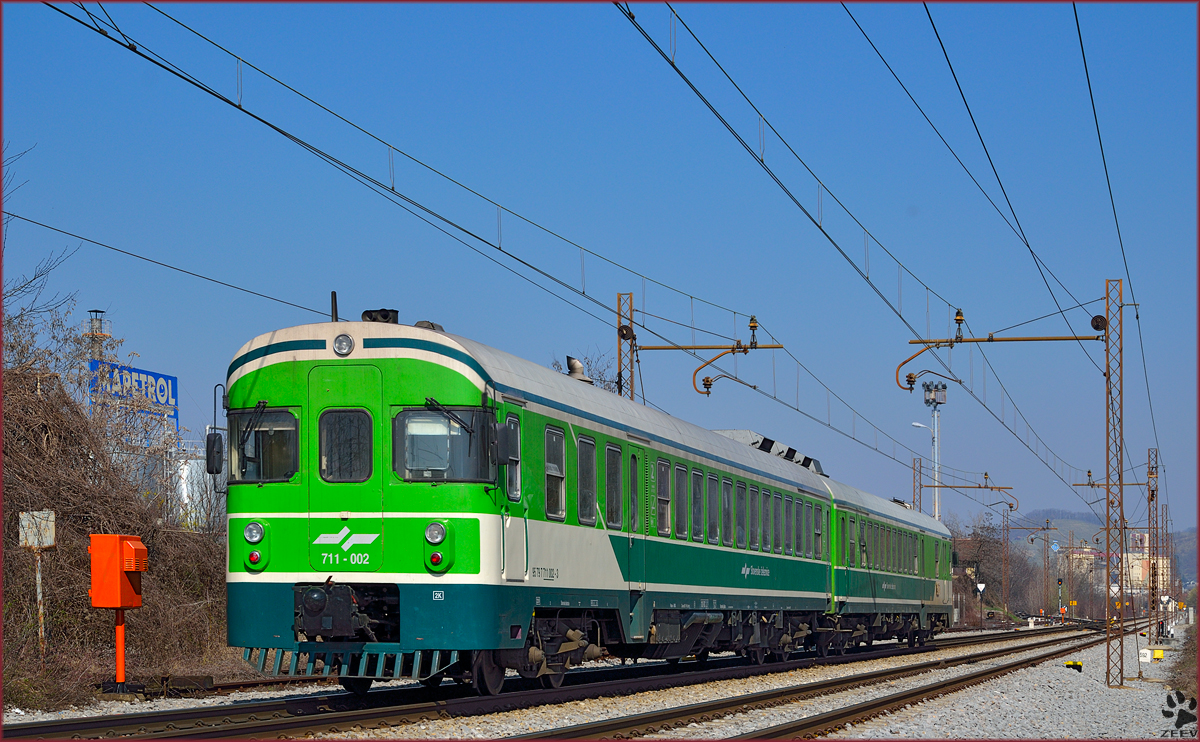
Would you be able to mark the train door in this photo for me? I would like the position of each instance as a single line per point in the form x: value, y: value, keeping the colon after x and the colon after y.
x: 638, y: 526
x: 345, y: 491
x: 514, y: 517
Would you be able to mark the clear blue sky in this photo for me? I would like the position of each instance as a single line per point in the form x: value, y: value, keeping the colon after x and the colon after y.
x: 565, y: 114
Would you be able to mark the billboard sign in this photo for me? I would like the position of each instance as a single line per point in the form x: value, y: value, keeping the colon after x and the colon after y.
x: 128, y: 382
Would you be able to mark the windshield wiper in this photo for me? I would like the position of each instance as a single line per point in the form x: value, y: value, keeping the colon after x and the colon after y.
x: 431, y: 402
x: 255, y: 416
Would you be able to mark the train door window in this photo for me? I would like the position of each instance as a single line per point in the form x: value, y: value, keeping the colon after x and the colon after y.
x: 888, y: 560
x: 739, y: 503
x: 753, y: 519
x: 587, y: 481
x: 697, y: 505
x: 345, y: 445
x: 612, y: 487
x: 937, y: 562
x: 809, y: 549
x: 766, y: 520
x: 851, y: 544
x: 787, y: 525
x: 874, y: 546
x: 712, y: 506
x: 514, y: 468
x: 818, y: 547
x: 681, y: 502
x: 664, y: 497
x: 556, y: 474
x: 635, y: 492
x: 912, y: 550
x: 727, y: 512
x: 777, y: 523
x: 862, y: 543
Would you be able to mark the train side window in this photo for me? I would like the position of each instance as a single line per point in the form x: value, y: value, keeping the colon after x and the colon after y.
x: 713, y: 513
x: 681, y: 502
x: 345, y: 445
x: 753, y: 519
x: 888, y: 551
x: 766, y: 520
x: 727, y: 512
x: 664, y: 497
x: 514, y: 468
x: 556, y: 474
x: 612, y: 487
x: 740, y: 514
x: 874, y: 546
x: 787, y: 525
x: 818, y: 546
x: 777, y: 523
x: 916, y: 555
x: 697, y: 505
x: 587, y: 482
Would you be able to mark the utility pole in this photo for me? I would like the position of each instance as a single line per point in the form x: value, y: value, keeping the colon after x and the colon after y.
x: 1046, y: 568
x: 917, y: 484
x: 1114, y: 512
x: 1004, y: 534
x: 1152, y: 591
x: 625, y: 344
x: 708, y: 381
x: 1071, y: 569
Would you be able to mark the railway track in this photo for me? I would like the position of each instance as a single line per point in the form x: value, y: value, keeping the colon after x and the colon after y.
x: 393, y: 707
x: 665, y: 719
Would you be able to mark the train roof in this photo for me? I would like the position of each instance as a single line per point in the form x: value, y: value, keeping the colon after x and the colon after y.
x: 517, y: 377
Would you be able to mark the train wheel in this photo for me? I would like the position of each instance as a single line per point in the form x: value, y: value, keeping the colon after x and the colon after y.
x: 553, y: 680
x: 757, y: 655
x: 702, y: 658
x: 912, y: 638
x: 822, y: 648
x: 486, y: 676
x: 357, y: 686
x: 432, y: 681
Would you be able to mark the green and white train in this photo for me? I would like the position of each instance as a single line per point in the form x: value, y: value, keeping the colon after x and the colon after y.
x: 404, y: 502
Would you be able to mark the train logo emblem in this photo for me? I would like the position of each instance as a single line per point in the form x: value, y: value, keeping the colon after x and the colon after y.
x: 439, y: 595
x: 366, y: 539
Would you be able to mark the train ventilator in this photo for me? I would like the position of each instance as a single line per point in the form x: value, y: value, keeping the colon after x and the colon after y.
x: 117, y: 565
x: 408, y: 503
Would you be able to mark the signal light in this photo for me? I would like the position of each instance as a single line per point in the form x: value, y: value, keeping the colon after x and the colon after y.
x: 435, y: 558
x: 254, y: 557
x: 1060, y: 582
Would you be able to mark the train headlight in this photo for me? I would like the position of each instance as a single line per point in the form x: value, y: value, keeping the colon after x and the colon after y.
x: 435, y: 533
x: 314, y: 600
x: 343, y: 344
x: 253, y: 532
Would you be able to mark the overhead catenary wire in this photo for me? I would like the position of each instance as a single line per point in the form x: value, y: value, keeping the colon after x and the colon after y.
x: 1036, y: 261
x: 1137, y: 315
x: 428, y: 215
x: 168, y: 266
x: 787, y: 192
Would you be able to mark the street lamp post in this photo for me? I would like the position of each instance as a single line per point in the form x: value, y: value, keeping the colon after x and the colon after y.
x: 937, y: 459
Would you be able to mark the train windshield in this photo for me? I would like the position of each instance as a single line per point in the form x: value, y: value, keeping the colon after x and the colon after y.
x: 441, y: 444
x: 262, y: 446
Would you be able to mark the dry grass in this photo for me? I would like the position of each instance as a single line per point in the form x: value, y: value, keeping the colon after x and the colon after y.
x: 79, y: 460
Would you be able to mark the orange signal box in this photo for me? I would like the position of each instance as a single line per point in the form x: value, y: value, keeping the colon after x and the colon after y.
x: 117, y: 566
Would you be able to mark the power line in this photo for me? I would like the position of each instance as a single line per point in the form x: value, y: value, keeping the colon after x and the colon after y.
x: 817, y: 223
x: 168, y: 265
x: 1120, y: 241
x: 430, y: 216
x: 1036, y: 261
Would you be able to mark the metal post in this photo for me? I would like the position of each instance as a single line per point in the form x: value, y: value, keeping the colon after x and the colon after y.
x: 1152, y: 590
x: 1004, y: 560
x: 937, y: 465
x: 1114, y: 522
x: 120, y: 677
x: 917, y: 484
x: 1070, y: 572
x: 1046, y: 565
x: 625, y: 338
x: 37, y: 554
